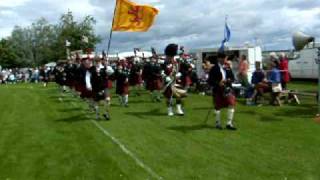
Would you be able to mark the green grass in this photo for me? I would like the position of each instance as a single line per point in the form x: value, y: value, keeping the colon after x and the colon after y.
x: 44, y: 138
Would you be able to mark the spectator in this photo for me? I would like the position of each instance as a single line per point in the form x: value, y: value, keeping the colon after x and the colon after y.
x: 284, y: 68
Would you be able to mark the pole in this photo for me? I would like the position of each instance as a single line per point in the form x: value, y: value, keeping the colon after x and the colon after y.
x: 111, y: 31
x: 318, y: 53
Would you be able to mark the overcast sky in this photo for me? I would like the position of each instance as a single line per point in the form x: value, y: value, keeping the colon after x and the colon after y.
x: 192, y: 23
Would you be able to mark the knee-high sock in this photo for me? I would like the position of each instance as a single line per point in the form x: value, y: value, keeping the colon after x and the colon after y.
x: 218, y: 117
x: 106, y: 106
x: 121, y: 100
x: 230, y: 116
x: 96, y: 108
x: 126, y: 99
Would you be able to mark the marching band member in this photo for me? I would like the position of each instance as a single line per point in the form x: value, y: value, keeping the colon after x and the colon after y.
x: 156, y: 80
x: 97, y: 82
x: 86, y: 90
x: 122, y: 83
x: 108, y: 82
x: 136, y: 75
x: 220, y: 78
x: 172, y: 80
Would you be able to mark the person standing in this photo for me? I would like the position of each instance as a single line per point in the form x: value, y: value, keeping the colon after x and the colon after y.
x: 220, y: 78
x: 284, y: 68
x: 243, y: 71
x: 122, y: 83
x: 173, y: 89
x: 98, y: 81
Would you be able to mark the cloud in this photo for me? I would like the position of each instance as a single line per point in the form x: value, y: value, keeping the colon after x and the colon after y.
x: 193, y: 24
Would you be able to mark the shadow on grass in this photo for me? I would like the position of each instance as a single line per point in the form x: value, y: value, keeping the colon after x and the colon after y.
x: 298, y: 112
x: 154, y: 112
x: 249, y: 112
x: 270, y: 118
x: 185, y: 129
x: 73, y: 119
x: 140, y: 102
x: 70, y: 110
x: 203, y: 108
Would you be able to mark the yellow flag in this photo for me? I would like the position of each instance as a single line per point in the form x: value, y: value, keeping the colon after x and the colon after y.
x: 132, y: 17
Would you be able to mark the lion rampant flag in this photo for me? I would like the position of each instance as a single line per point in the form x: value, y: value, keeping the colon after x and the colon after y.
x: 132, y: 17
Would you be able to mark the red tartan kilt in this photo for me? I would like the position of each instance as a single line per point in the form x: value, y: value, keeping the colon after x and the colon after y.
x: 109, y: 84
x: 222, y: 102
x: 154, y: 85
x: 187, y: 81
x: 136, y: 80
x: 77, y: 86
x: 85, y: 93
x: 122, y: 90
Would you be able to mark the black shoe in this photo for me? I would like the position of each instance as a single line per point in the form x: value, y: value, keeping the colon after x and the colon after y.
x: 230, y: 127
x: 106, y: 117
x: 218, y: 126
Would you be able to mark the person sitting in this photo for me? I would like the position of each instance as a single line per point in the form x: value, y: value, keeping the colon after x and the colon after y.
x: 274, y: 80
x: 259, y: 84
x: 271, y: 84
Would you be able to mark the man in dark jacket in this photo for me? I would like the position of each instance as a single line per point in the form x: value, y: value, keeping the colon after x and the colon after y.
x: 221, y: 78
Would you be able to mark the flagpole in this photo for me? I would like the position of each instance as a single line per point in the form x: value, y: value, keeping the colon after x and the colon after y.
x: 111, y: 31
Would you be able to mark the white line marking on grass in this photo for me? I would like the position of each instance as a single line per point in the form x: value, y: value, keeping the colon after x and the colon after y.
x: 127, y: 151
x: 122, y: 146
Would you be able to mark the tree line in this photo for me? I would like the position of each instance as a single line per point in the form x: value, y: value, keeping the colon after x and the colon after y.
x: 42, y: 42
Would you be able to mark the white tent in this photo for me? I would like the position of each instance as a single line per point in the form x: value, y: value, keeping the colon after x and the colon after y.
x: 141, y: 54
x: 51, y: 64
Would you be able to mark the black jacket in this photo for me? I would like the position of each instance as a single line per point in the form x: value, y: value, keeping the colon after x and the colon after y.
x: 215, y: 76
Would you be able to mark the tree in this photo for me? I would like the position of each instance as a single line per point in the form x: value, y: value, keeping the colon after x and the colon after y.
x: 43, y: 42
x: 72, y: 31
x: 8, y: 58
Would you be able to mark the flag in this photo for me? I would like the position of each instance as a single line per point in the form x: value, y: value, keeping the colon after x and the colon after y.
x: 227, y: 36
x: 132, y: 17
x: 85, y: 39
x: 68, y: 43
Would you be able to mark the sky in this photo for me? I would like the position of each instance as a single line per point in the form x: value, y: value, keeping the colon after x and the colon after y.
x: 191, y: 23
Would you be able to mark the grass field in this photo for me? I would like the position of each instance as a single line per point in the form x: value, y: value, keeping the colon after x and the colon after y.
x: 44, y: 135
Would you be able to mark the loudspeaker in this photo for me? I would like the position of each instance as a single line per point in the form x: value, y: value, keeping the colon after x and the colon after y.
x: 300, y: 40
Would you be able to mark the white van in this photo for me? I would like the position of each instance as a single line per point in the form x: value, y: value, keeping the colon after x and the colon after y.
x: 304, y: 65
x: 254, y: 54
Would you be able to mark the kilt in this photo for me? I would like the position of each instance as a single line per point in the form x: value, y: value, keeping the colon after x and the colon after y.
x: 122, y: 89
x: 77, y: 86
x: 98, y: 95
x: 109, y: 84
x: 154, y: 84
x: 136, y: 80
x: 221, y: 101
x: 85, y: 93
x: 187, y: 81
